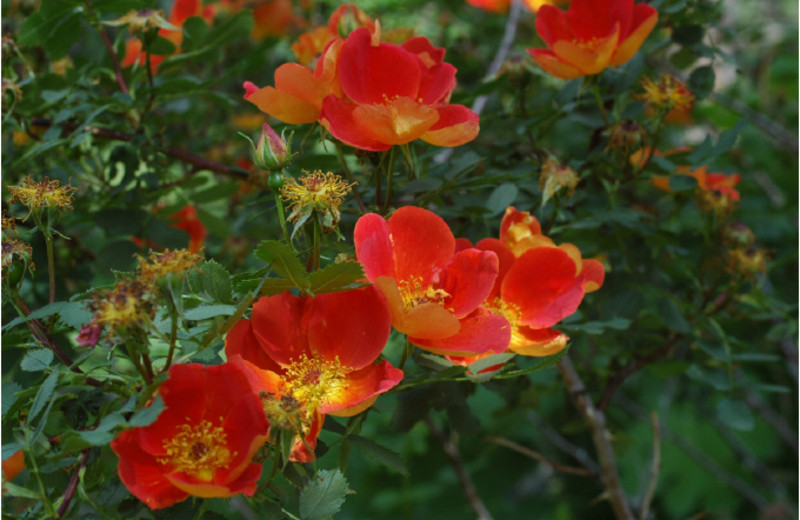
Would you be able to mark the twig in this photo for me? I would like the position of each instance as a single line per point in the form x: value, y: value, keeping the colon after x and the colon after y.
x: 601, y: 438
x: 583, y: 472
x: 773, y: 418
x: 117, y: 70
x: 450, y: 448
x: 654, y: 468
x: 73, y: 485
x: 576, y: 452
x: 632, y: 367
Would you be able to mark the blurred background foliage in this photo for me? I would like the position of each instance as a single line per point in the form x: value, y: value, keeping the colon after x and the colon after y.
x: 672, y: 332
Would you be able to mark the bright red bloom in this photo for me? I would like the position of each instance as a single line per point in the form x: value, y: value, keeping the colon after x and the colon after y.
x: 538, y: 284
x: 316, y: 355
x: 186, y: 219
x: 501, y: 6
x: 202, y: 444
x: 395, y: 94
x: 591, y: 35
x: 434, y: 293
x: 13, y: 466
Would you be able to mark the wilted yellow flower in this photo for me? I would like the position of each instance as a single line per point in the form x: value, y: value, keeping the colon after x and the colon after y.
x: 627, y: 135
x: 40, y: 194
x: 9, y: 222
x: 668, y: 94
x: 176, y: 262
x: 556, y: 177
x: 320, y: 192
x: 14, y: 251
x: 128, y: 304
x: 138, y: 21
x: 747, y: 261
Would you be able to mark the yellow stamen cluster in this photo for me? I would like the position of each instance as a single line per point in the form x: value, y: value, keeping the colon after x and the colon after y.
x: 512, y: 313
x: 717, y: 202
x: 14, y: 251
x: 668, y: 93
x: 317, y: 191
x: 286, y: 412
x: 311, y: 380
x: 747, y: 261
x: 40, y: 194
x: 128, y: 304
x: 414, y: 293
x: 139, y: 21
x: 556, y: 177
x: 198, y: 450
x: 176, y: 262
x: 9, y: 223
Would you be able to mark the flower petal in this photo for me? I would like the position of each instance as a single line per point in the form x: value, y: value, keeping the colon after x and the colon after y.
x: 588, y: 60
x: 361, y: 389
x: 240, y: 341
x: 553, y: 65
x: 468, y: 278
x: 537, y: 342
x: 456, y: 125
x: 505, y: 260
x: 399, y: 122
x: 594, y: 274
x: 374, y: 246
x: 480, y: 332
x: 645, y: 18
x: 279, y: 324
x: 284, y: 106
x: 337, y: 116
x: 553, y: 25
x: 422, y: 243
x: 428, y: 320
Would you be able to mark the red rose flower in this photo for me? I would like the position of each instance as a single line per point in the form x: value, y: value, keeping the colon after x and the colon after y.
x: 202, y: 444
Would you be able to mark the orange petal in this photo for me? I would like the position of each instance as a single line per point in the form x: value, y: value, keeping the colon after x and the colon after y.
x: 457, y: 125
x: 594, y: 273
x: 428, y: 320
x: 538, y: 342
x: 553, y: 65
x: 283, y: 106
x: 361, y: 389
x: 588, y: 60
x: 644, y: 19
x: 399, y: 122
x: 480, y: 333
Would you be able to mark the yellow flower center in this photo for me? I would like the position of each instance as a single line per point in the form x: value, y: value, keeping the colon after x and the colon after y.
x: 512, y: 313
x: 45, y: 193
x: 414, y: 293
x: 311, y: 380
x: 321, y: 192
x: 588, y: 45
x: 198, y: 450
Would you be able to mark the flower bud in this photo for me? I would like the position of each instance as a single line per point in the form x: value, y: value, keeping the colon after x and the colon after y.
x: 271, y: 152
x: 276, y: 181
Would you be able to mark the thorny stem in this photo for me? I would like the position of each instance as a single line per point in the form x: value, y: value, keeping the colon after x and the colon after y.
x: 114, y: 61
x: 73, y: 484
x: 583, y: 472
x: 601, y: 438
x: 450, y: 447
x: 282, y: 219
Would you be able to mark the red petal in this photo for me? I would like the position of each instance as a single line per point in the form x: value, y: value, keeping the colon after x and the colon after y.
x: 468, y: 278
x: 537, y: 342
x: 422, y: 243
x: 350, y: 326
x: 597, y: 18
x: 506, y: 260
x: 543, y: 284
x: 437, y: 84
x: 370, y: 74
x: 423, y: 48
x: 374, y: 246
x: 552, y: 25
x: 456, y: 125
x: 594, y: 274
x: 361, y: 389
x: 337, y: 117
x: 280, y: 324
x: 481, y: 332
x: 241, y: 341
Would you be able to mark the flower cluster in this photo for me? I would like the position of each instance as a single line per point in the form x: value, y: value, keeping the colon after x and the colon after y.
x: 46, y: 193
x: 371, y: 94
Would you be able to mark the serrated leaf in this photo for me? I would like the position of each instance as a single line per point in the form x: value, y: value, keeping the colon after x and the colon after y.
x: 273, y: 286
x: 75, y: 315
x: 43, y: 312
x: 147, y: 416
x: 36, y: 360
x: 44, y: 395
x: 208, y: 311
x: 324, y: 495
x: 336, y: 277
x: 381, y: 454
x: 8, y: 392
x: 283, y: 261
x: 216, y: 281
x: 735, y: 414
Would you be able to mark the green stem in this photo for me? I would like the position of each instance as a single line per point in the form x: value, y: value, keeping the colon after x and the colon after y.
x: 137, y: 362
x: 48, y: 242
x: 390, y: 179
x: 412, y: 172
x: 349, y: 176
x: 653, y: 144
x: 48, y: 507
x: 282, y: 220
x: 316, y: 252
x: 173, y: 336
x: 600, y: 104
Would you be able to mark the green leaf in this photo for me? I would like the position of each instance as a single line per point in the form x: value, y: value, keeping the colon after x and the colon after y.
x: 44, y: 395
x: 701, y: 81
x: 147, y: 416
x: 75, y: 315
x: 336, y: 277
x: 682, y: 183
x: 501, y: 198
x: 208, y: 311
x: 735, y: 414
x: 8, y: 392
x: 283, y: 261
x: 214, y: 279
x: 273, y: 286
x: 36, y: 360
x: 12, y: 490
x: 688, y: 35
x: 672, y: 317
x: 161, y: 47
x: 195, y: 32
x: 324, y: 495
x: 381, y: 454
x: 43, y: 312
x: 10, y: 449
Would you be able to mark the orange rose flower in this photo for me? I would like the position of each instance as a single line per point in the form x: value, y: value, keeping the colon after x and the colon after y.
x: 313, y: 356
x: 591, y: 35
x: 395, y: 94
x: 501, y: 6
x: 434, y: 293
x: 202, y: 444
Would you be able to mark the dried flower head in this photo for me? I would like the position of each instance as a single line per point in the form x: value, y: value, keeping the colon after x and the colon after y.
x: 15, y: 251
x: 139, y: 21
x: 667, y: 94
x: 556, y: 177
x: 747, y: 261
x: 320, y: 192
x: 9, y: 223
x: 127, y: 305
x: 738, y: 234
x: 40, y: 194
x: 176, y: 262
x: 626, y: 136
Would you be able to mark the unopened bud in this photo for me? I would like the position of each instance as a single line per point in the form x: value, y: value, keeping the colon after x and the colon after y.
x: 276, y: 181
x: 271, y: 152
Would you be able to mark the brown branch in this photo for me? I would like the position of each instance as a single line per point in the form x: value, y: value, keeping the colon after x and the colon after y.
x: 450, y: 447
x: 583, y: 472
x: 634, y: 366
x: 576, y: 452
x: 601, y: 438
x: 117, y: 70
x: 655, y: 468
x: 73, y: 485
